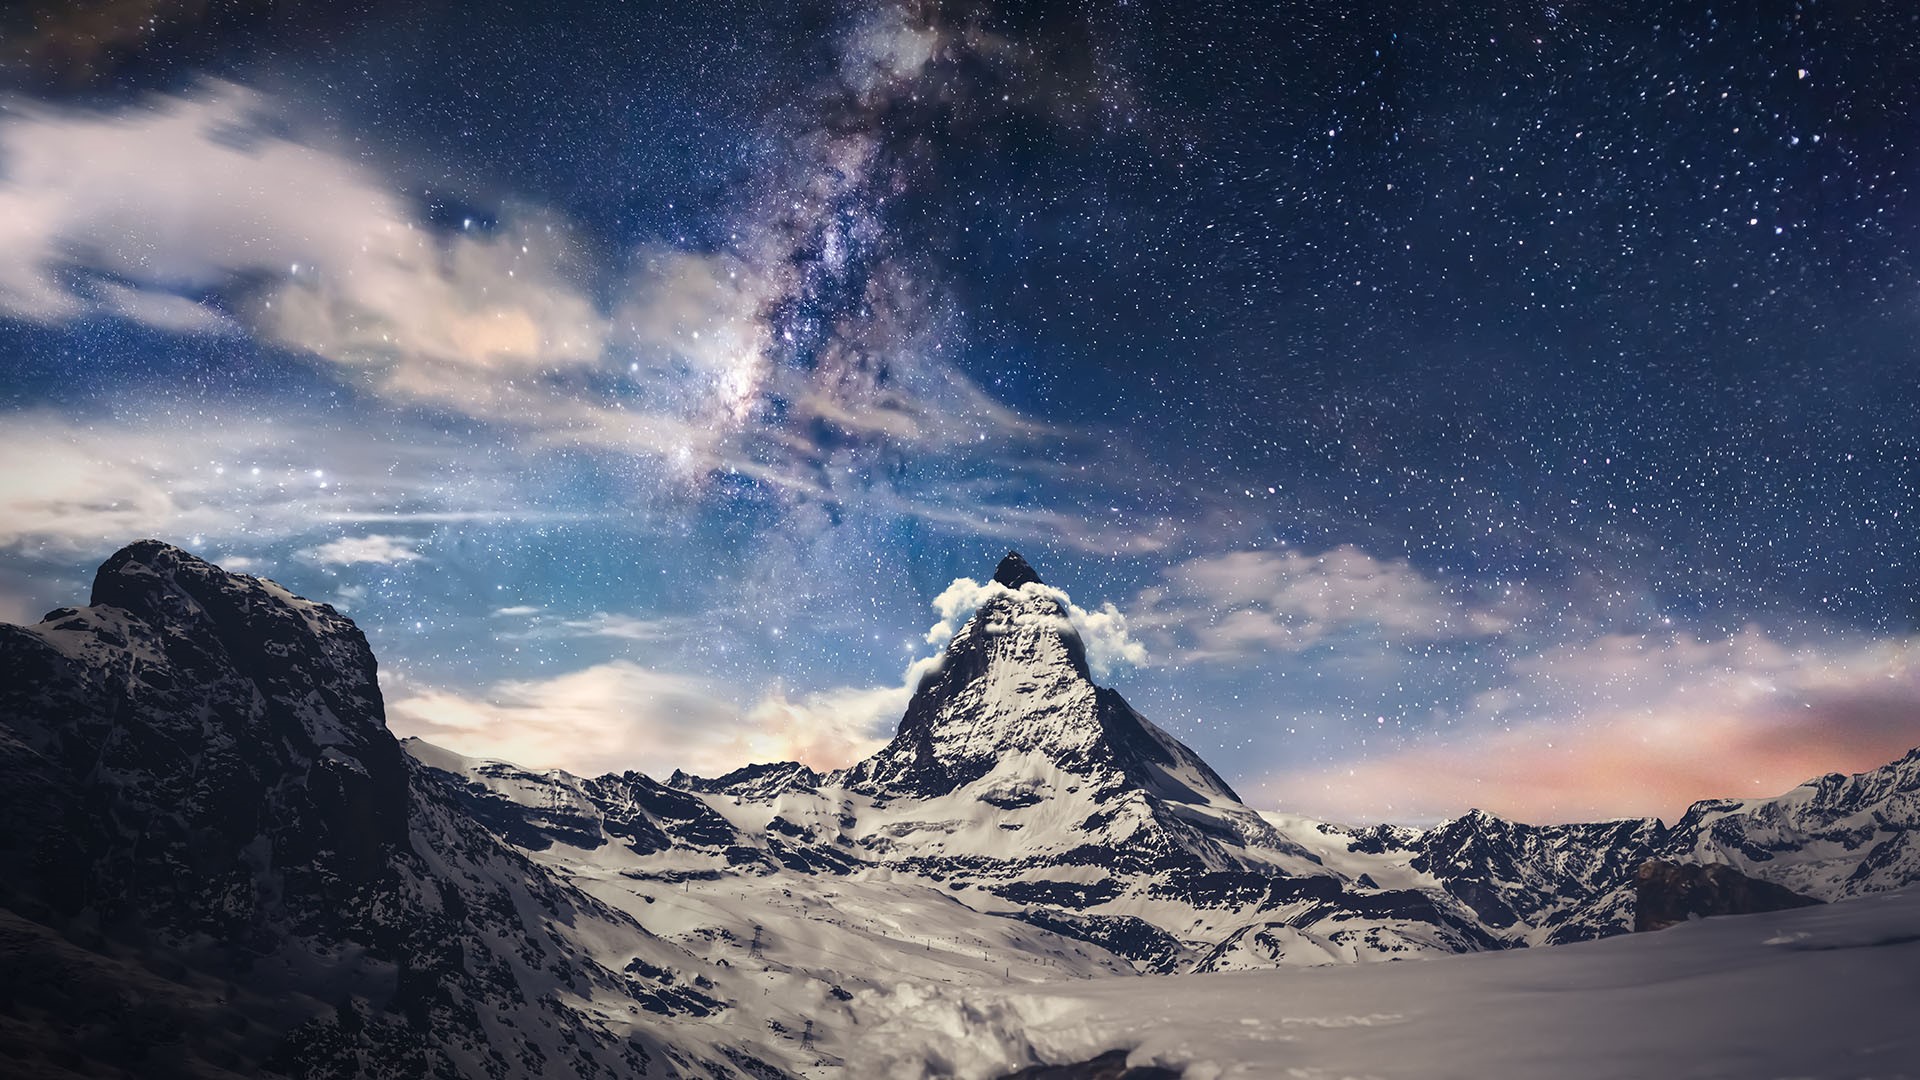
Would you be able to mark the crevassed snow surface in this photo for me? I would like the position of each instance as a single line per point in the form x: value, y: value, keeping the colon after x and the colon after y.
x: 1831, y: 991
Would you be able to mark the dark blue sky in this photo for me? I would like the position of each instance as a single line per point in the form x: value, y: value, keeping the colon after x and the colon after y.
x: 1503, y: 404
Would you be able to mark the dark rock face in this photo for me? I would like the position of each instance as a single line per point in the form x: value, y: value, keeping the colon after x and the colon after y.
x: 1510, y: 874
x: 208, y: 724
x: 215, y: 847
x: 1014, y: 572
x: 1111, y: 1065
x: 1669, y: 893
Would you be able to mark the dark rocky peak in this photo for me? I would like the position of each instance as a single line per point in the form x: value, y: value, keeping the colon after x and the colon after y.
x: 162, y: 584
x: 197, y: 779
x: 234, y: 720
x: 1014, y: 572
x: 752, y: 782
x: 1667, y: 893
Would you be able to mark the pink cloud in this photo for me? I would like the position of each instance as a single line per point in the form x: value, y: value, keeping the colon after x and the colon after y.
x: 1665, y: 724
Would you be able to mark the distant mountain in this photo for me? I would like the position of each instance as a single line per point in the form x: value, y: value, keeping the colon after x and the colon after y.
x: 219, y: 861
x: 1024, y: 787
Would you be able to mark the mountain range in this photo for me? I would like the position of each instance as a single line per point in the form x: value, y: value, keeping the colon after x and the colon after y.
x: 219, y: 861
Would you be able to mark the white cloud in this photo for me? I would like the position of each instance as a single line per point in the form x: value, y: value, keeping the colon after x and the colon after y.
x: 833, y: 729
x: 134, y: 213
x: 373, y: 548
x: 1227, y: 606
x: 78, y: 486
x: 605, y: 718
x: 219, y: 212
x: 145, y: 211
x: 541, y: 624
x: 1102, y: 630
x: 619, y: 715
x: 624, y: 627
x: 54, y: 491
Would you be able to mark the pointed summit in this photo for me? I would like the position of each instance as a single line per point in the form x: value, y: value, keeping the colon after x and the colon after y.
x: 1014, y: 572
x: 1012, y: 701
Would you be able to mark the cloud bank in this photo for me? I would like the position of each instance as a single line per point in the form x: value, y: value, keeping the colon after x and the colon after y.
x: 1630, y: 726
x: 617, y: 716
x: 166, y: 214
x: 1242, y: 603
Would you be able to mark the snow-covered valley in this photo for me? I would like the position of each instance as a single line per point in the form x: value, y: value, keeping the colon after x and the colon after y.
x: 1828, y: 991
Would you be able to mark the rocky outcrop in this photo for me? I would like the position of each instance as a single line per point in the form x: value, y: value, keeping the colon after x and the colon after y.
x: 218, y: 860
x: 1668, y: 893
x: 1111, y: 1065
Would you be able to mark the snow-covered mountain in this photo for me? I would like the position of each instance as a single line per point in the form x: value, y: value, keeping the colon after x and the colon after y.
x: 1024, y: 791
x: 218, y: 861
x: 211, y: 830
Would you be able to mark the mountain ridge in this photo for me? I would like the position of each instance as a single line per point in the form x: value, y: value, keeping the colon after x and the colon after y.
x: 199, y: 781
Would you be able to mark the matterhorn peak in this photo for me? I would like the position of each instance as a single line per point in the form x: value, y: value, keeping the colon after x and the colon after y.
x: 1012, y: 699
x: 1014, y: 572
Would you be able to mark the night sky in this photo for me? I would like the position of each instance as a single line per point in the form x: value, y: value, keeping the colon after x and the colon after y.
x: 1425, y: 405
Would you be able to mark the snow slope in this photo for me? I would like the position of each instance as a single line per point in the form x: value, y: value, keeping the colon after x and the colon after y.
x: 1829, y: 991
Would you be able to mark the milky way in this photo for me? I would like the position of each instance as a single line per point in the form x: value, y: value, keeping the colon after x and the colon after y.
x: 1423, y: 408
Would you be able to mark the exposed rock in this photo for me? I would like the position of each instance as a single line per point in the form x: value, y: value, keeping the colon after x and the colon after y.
x: 1111, y: 1065
x: 218, y: 859
x: 1668, y: 893
x: 1014, y: 572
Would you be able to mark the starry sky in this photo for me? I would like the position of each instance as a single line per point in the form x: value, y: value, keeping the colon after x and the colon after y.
x: 1425, y: 405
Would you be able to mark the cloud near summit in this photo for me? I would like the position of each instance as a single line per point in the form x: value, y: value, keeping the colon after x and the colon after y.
x: 1103, y: 630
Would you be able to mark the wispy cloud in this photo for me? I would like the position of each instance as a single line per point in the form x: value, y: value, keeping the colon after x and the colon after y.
x: 373, y: 548
x: 142, y: 213
x: 797, y: 356
x: 624, y: 627
x: 1242, y: 603
x: 90, y: 485
x: 532, y: 623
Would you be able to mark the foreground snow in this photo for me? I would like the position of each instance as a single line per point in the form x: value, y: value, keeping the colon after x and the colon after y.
x: 1832, y: 991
